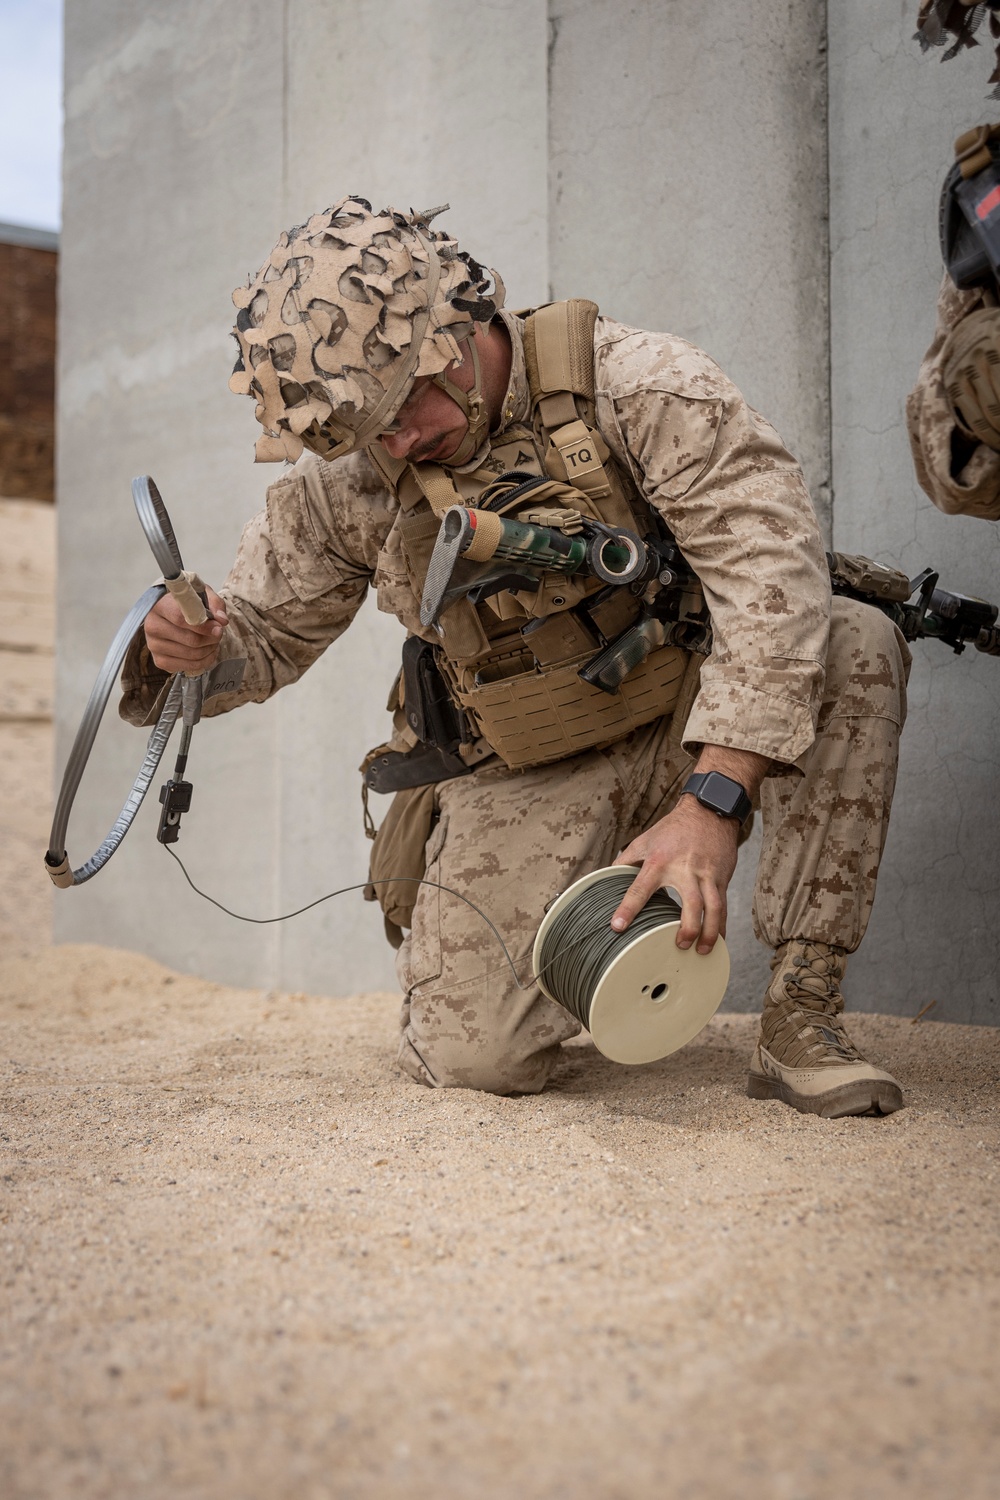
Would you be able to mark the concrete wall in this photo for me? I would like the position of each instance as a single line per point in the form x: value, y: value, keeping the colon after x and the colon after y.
x: 688, y: 192
x: 192, y: 136
x: 893, y: 116
x: 688, y: 189
x: 667, y: 159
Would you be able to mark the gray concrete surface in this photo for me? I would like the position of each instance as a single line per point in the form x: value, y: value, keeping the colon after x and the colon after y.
x: 893, y: 117
x: 688, y: 192
x: 688, y: 189
x: 27, y: 672
x: 191, y: 140
x: 670, y: 162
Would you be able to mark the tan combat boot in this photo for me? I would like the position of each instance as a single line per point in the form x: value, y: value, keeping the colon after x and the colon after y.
x: 804, y: 1056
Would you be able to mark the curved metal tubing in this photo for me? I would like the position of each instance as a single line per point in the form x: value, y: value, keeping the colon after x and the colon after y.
x: 155, y: 747
x: 156, y: 524
x: 159, y: 532
x: 87, y: 733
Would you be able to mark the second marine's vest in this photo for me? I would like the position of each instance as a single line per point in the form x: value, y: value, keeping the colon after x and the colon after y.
x: 511, y: 661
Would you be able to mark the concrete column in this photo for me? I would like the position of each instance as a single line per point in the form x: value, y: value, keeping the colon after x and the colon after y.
x: 172, y: 170
x: 893, y: 117
x: 688, y: 189
x: 194, y: 135
x: 688, y: 192
x: 669, y: 161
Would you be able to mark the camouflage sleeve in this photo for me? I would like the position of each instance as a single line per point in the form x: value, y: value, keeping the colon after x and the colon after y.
x: 962, y: 477
x: 301, y: 572
x: 736, y: 501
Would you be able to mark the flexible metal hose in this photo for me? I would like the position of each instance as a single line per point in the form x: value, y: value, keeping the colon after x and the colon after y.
x: 55, y: 858
x: 159, y: 532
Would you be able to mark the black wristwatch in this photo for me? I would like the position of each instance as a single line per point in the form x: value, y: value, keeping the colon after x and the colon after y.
x: 720, y: 794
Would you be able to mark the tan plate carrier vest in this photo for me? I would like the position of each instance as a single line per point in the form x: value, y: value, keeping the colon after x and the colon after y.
x: 512, y: 661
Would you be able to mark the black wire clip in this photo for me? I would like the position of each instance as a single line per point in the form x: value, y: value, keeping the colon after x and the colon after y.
x: 175, y: 800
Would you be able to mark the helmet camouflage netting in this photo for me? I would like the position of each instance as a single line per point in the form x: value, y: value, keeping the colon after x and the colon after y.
x: 938, y: 21
x: 346, y: 312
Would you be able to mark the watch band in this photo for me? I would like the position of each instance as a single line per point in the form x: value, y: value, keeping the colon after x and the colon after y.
x: 720, y: 794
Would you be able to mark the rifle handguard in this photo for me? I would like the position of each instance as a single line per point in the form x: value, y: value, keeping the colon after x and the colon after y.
x: 874, y: 580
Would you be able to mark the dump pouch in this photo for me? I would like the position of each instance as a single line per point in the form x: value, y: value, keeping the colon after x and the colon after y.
x: 399, y: 851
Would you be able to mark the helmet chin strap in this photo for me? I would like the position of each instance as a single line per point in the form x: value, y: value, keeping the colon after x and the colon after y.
x: 472, y: 403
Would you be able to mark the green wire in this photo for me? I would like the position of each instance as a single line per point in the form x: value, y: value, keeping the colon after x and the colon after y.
x: 585, y: 924
x: 581, y: 945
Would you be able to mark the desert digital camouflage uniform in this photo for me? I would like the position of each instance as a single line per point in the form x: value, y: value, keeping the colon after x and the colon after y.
x: 961, y: 475
x: 819, y: 690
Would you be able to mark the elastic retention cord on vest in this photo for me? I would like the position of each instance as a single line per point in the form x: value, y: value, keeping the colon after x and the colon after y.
x: 609, y: 943
x: 580, y: 945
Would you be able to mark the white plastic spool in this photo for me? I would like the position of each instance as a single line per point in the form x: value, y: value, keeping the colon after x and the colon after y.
x: 653, y: 997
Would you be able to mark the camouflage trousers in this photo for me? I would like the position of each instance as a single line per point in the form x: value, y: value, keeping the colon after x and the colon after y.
x: 511, y: 841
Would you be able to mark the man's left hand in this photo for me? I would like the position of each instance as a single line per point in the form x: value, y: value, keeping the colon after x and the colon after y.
x: 694, y: 851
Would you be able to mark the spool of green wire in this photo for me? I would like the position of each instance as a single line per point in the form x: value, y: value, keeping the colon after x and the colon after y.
x: 638, y: 994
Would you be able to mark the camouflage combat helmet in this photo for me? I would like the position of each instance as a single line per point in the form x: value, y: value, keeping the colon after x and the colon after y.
x: 347, y: 311
x: 953, y: 24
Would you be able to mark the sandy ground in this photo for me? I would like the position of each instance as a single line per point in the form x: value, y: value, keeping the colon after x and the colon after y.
x: 244, y: 1259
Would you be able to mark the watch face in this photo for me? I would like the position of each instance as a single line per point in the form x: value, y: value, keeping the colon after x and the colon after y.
x: 722, y: 794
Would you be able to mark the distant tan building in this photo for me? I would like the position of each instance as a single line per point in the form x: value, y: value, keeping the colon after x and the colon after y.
x: 28, y: 263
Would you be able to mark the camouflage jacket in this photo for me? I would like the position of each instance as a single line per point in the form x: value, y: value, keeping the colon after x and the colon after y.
x: 935, y: 437
x: 717, y: 472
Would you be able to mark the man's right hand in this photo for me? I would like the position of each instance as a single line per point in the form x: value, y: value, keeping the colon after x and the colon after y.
x: 175, y: 645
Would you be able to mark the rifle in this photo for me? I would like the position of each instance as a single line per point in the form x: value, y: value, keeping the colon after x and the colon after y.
x: 478, y: 553
x: 958, y: 620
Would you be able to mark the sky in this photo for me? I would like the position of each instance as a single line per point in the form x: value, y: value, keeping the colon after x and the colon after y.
x: 30, y: 111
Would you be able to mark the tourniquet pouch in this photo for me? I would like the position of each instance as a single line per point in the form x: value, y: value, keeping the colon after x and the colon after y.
x: 398, y: 851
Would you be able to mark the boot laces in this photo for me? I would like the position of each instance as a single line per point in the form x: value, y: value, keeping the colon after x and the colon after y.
x: 808, y: 1004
